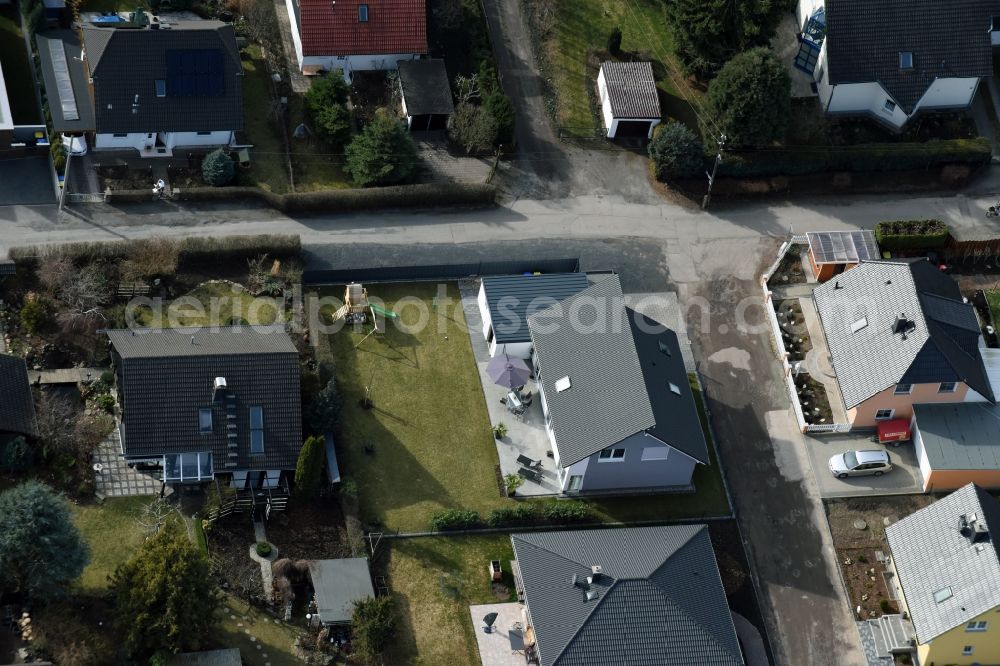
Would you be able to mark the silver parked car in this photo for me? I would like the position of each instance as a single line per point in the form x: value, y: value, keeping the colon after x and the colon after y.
x: 875, y: 462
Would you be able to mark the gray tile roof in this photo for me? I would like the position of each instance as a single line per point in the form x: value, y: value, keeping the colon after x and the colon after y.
x: 588, y: 339
x: 960, y: 436
x: 941, y: 344
x: 660, y: 599
x: 511, y: 298
x: 164, y: 379
x: 17, y: 407
x: 425, y: 87
x: 677, y: 420
x: 631, y: 90
x: 947, y: 39
x: 338, y: 584
x: 78, y: 81
x: 125, y: 63
x: 931, y: 554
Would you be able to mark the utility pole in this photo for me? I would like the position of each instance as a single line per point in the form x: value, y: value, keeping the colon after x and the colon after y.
x: 711, y: 176
x: 65, y: 184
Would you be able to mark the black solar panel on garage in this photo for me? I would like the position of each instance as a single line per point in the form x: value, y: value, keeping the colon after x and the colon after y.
x: 195, y: 73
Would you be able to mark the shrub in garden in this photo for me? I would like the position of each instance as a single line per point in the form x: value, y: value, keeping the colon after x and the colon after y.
x: 565, y: 511
x: 106, y: 402
x: 676, y: 152
x: 454, y: 519
x: 883, y: 604
x: 217, y: 169
x: 749, y: 101
x: 373, y: 625
x: 520, y: 514
x: 323, y: 413
x: 263, y: 548
x: 911, y: 234
x: 309, y: 468
x: 326, y: 102
x: 35, y: 314
x: 474, y: 127
x: 615, y: 41
x: 41, y: 550
x: 17, y: 455
x: 502, y: 109
x: 383, y: 154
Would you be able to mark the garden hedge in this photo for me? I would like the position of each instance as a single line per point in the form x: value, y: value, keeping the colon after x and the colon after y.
x: 861, y: 158
x: 911, y: 234
x: 335, y: 201
x: 191, y: 249
x: 455, y: 519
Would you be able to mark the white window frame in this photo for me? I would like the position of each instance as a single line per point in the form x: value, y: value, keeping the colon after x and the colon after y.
x: 954, y: 387
x: 892, y: 412
x: 967, y: 650
x: 977, y: 626
x: 903, y: 389
x: 611, y: 457
x: 575, y: 482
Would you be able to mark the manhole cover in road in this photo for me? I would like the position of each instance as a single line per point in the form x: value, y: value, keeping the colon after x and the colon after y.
x: 860, y: 524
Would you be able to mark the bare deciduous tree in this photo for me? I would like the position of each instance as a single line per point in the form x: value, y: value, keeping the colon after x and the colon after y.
x: 154, y: 515
x: 56, y: 420
x: 54, y: 270
x: 84, y: 295
x: 467, y: 88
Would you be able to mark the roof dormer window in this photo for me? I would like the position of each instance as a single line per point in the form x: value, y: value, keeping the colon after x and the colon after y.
x: 906, y: 59
x: 363, y: 13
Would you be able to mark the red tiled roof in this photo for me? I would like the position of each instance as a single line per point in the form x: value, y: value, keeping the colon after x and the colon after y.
x: 393, y: 26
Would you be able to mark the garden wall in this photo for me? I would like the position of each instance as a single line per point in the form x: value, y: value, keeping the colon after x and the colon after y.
x: 375, y: 198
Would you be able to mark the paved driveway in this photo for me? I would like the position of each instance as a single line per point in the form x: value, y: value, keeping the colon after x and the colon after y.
x: 904, y: 478
x: 26, y: 181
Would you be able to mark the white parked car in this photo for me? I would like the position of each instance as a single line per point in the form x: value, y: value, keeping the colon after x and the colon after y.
x: 74, y: 145
x: 875, y: 462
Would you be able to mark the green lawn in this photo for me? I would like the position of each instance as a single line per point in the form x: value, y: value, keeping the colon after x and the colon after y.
x: 435, y: 580
x: 274, y: 637
x: 214, y: 303
x: 430, y: 430
x: 113, y: 534
x: 17, y: 69
x: 574, y: 40
x: 993, y: 298
x: 429, y: 427
x: 315, y: 165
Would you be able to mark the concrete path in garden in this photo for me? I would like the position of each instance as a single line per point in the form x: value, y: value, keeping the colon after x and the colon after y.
x: 65, y: 375
x: 300, y: 82
x: 267, y: 579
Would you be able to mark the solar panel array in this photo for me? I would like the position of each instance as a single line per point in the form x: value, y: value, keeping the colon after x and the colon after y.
x: 60, y: 67
x: 839, y: 247
x: 195, y: 73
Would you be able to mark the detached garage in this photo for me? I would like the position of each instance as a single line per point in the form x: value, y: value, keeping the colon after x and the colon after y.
x: 426, y: 94
x: 957, y: 444
x: 629, y: 101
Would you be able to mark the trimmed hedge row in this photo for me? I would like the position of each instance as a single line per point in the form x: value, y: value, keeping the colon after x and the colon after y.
x: 524, y: 514
x: 372, y: 198
x: 911, y: 234
x: 191, y: 249
x: 862, y: 158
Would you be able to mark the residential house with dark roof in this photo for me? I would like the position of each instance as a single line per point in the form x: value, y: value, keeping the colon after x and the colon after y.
x: 945, y: 566
x: 956, y: 444
x: 892, y: 59
x: 210, y: 402
x: 630, y: 104
x: 356, y: 35
x: 17, y: 407
x: 640, y: 596
x: 619, y: 411
x: 899, y: 334
x: 151, y: 86
x: 506, y: 301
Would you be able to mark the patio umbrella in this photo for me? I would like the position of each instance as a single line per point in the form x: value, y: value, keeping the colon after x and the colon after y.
x: 507, y: 371
x: 488, y: 621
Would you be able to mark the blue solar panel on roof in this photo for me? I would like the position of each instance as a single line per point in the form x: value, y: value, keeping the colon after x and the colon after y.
x: 195, y: 73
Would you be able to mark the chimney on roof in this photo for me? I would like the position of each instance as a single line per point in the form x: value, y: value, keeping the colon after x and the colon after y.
x: 595, y: 574
x: 902, y: 325
x: 973, y: 529
x: 192, y: 340
x: 836, y: 285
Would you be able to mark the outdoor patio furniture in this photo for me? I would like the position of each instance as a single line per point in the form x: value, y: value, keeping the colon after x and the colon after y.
x: 530, y: 474
x: 528, y: 462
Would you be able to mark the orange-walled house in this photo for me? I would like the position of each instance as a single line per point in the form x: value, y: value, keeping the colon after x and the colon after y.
x: 900, y: 334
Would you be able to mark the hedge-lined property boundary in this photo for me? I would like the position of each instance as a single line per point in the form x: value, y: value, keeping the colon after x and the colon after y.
x: 374, y: 198
x: 861, y: 158
x: 912, y: 234
x: 528, y: 514
x: 191, y: 249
